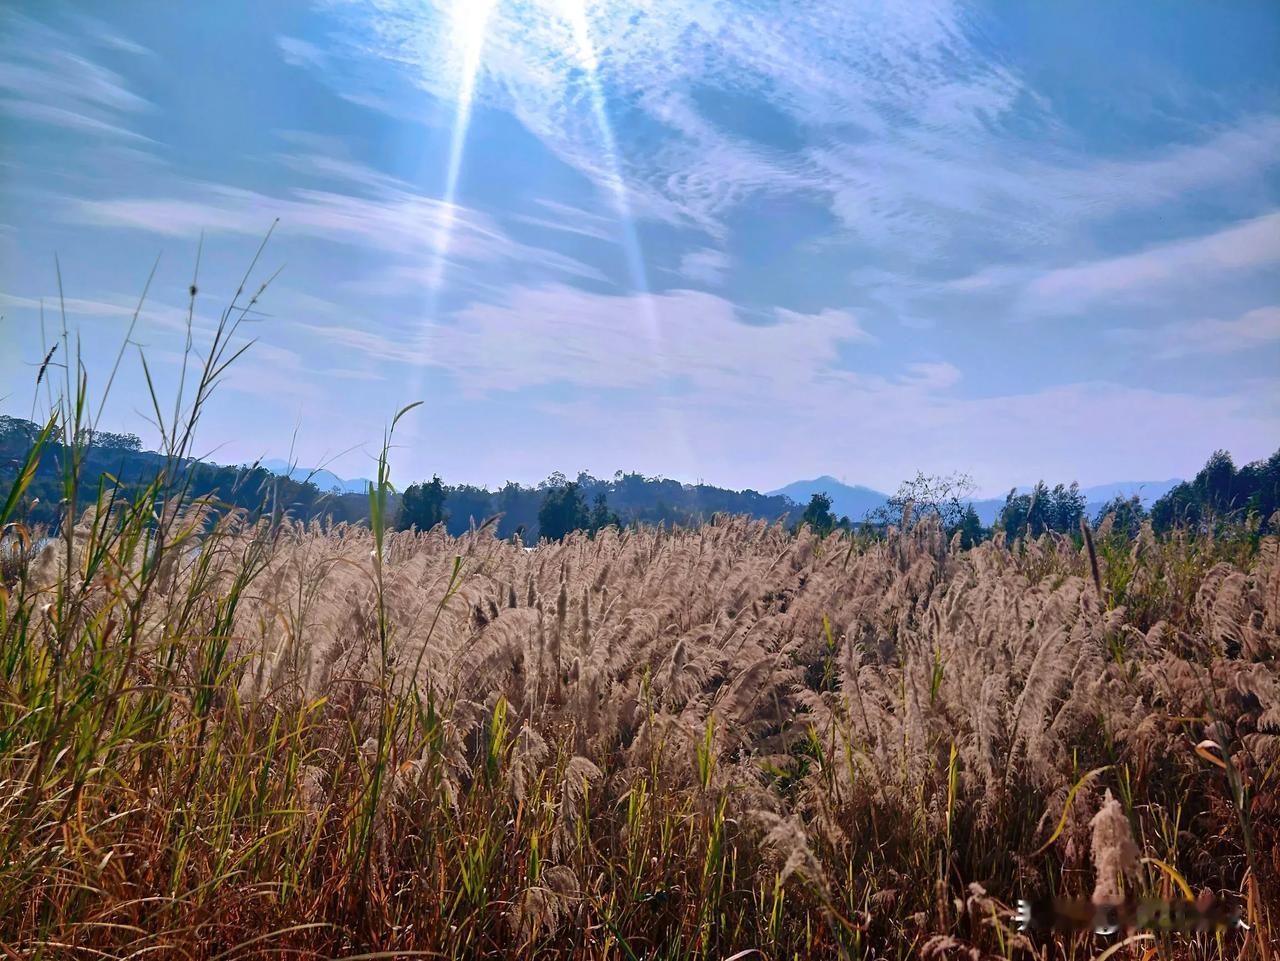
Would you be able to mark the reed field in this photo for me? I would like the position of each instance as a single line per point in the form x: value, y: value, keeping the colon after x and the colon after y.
x: 232, y: 735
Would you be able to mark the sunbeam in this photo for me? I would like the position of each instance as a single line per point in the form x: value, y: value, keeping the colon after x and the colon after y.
x: 470, y: 21
x: 576, y: 12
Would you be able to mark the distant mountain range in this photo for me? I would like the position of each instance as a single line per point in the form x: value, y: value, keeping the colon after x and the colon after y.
x: 851, y: 500
x: 323, y: 479
x: 1148, y: 491
x: 854, y: 500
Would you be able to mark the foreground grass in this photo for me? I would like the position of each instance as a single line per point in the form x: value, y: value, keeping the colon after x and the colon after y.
x: 658, y: 745
x: 225, y: 734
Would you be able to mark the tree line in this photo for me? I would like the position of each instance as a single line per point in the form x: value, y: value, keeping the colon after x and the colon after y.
x: 558, y: 506
x: 1220, y: 493
x: 117, y: 464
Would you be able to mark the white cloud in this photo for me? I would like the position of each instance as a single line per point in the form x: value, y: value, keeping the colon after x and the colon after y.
x: 890, y: 114
x: 103, y: 34
x: 152, y: 315
x: 59, y: 76
x: 67, y: 119
x: 300, y: 53
x: 919, y: 189
x: 818, y: 64
x: 705, y: 265
x: 932, y: 375
x: 553, y: 215
x: 73, y: 305
x: 556, y: 334
x: 379, y: 213
x: 265, y: 370
x: 48, y: 81
x: 1155, y: 273
x: 1257, y: 329
x: 1250, y: 245
x: 366, y: 343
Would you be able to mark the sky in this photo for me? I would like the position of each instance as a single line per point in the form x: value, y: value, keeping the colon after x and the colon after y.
x: 743, y: 243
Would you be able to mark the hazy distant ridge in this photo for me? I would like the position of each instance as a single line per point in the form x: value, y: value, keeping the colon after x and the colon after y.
x: 323, y: 479
x: 855, y: 500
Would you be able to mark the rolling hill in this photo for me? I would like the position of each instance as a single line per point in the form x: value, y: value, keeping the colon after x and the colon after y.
x: 325, y: 480
x: 853, y: 501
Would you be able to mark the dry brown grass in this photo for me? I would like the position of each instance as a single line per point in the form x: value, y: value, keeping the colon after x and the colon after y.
x: 310, y: 741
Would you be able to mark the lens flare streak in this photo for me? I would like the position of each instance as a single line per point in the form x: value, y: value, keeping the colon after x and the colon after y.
x: 471, y: 21
x: 576, y: 12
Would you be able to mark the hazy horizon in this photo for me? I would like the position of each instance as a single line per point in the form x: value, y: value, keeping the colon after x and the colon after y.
x: 706, y: 240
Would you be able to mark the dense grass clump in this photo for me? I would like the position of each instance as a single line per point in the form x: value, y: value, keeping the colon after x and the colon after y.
x: 228, y: 734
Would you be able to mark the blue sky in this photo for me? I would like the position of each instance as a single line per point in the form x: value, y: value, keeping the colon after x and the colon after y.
x: 741, y: 242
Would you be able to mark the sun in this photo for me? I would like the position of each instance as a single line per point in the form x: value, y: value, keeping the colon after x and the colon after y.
x: 469, y: 24
x: 469, y: 20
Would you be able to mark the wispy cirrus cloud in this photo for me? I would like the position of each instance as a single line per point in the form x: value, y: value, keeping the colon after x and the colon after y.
x: 48, y: 77
x: 706, y: 265
x: 362, y: 207
x: 1257, y: 329
x: 1159, y: 271
x: 68, y: 119
x: 891, y: 116
x: 361, y: 341
x: 1250, y: 245
x: 921, y: 191
x: 555, y: 333
x: 819, y: 65
x: 100, y: 33
x: 566, y: 218
x: 300, y: 53
x: 73, y: 305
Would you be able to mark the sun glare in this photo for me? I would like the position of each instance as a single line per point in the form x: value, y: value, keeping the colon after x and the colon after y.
x: 588, y: 61
x: 470, y: 21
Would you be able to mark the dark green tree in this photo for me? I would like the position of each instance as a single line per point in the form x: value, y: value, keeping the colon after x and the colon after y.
x: 1043, y: 509
x: 106, y: 440
x: 601, y: 516
x: 422, y: 506
x: 1065, y: 508
x: 818, y: 515
x: 519, y: 508
x: 971, y: 530
x: 1221, y: 494
x: 1260, y: 481
x: 563, y: 509
x: 1215, y: 483
x: 467, y: 504
x: 1178, y: 507
x: 1128, y: 515
x: 1024, y: 513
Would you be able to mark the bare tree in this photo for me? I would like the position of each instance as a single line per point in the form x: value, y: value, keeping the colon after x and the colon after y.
x: 945, y: 496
